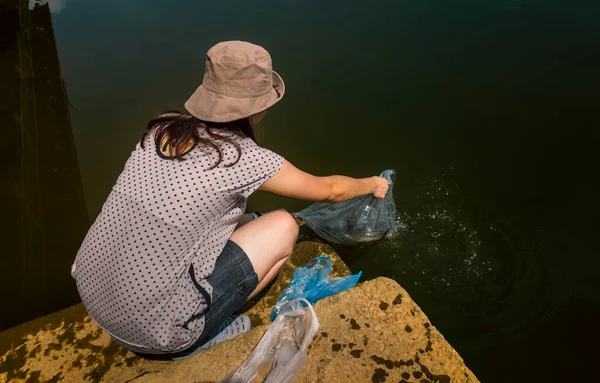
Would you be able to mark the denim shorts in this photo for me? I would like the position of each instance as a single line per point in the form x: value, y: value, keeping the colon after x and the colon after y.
x: 233, y: 280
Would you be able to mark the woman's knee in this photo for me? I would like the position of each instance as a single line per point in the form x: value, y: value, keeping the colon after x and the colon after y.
x: 286, y: 222
x: 287, y: 225
x: 267, y: 239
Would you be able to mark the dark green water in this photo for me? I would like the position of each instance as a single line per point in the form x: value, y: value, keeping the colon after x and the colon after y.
x: 489, y: 111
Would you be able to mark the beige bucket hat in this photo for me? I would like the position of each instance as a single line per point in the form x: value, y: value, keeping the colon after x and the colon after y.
x: 239, y: 81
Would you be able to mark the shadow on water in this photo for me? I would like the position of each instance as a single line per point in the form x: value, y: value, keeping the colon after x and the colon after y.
x: 44, y: 216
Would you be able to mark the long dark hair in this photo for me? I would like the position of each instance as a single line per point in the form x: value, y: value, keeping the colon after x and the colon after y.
x: 181, y: 129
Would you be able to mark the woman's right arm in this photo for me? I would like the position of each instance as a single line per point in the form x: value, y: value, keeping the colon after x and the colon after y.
x: 292, y: 182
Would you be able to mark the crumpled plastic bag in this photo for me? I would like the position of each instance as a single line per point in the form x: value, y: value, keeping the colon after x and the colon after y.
x: 312, y: 282
x: 356, y: 221
x: 280, y: 355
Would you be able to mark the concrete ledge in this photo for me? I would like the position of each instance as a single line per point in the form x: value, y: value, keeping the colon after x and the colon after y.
x: 371, y: 333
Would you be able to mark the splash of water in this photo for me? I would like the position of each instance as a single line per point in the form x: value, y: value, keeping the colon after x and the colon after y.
x: 431, y: 235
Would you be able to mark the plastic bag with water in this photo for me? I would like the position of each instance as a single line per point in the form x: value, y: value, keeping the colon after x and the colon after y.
x: 312, y: 282
x: 359, y: 220
x: 280, y: 355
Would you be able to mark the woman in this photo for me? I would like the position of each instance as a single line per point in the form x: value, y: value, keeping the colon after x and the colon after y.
x: 172, y: 255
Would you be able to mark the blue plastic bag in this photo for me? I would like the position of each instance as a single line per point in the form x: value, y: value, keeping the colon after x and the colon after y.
x: 311, y: 282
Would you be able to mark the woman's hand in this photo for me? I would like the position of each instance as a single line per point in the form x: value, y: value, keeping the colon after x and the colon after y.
x: 381, y: 187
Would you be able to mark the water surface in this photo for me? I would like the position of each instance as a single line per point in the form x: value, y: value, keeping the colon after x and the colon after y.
x: 487, y: 110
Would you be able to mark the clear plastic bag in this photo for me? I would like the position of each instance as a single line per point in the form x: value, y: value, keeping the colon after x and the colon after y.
x: 359, y: 220
x: 312, y: 283
x: 280, y: 355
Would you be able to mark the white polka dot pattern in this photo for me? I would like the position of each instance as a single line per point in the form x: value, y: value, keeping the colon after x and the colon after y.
x: 141, y: 270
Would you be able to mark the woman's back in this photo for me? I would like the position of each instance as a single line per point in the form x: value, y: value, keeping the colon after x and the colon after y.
x: 141, y: 271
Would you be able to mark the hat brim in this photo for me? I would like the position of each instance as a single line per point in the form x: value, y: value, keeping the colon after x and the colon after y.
x: 213, y: 107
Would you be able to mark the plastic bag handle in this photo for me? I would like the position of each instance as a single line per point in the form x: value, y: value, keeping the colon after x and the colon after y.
x: 312, y: 311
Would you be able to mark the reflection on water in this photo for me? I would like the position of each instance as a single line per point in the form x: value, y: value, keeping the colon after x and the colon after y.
x: 43, y: 212
x: 56, y: 6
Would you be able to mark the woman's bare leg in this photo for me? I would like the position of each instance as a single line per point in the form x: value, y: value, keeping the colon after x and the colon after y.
x: 268, y: 241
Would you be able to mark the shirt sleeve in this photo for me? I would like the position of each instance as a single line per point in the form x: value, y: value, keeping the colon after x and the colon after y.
x: 255, y: 167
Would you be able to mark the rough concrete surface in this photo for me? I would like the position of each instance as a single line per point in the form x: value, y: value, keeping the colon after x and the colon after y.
x: 371, y: 333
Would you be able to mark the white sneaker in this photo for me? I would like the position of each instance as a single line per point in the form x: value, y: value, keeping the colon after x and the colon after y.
x: 232, y: 327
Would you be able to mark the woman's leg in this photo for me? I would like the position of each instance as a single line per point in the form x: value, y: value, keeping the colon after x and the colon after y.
x: 268, y: 241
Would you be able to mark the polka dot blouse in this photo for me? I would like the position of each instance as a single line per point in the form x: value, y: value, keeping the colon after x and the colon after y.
x: 141, y: 270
